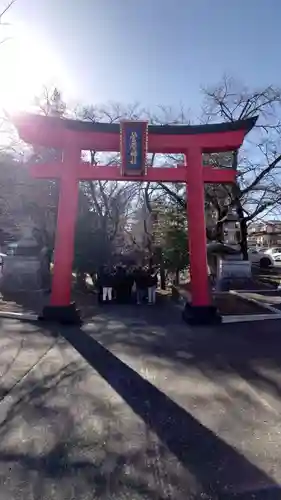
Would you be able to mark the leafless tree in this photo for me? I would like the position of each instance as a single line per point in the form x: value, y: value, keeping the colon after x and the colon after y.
x: 49, y: 102
x: 114, y: 202
x: 3, y: 23
x: 257, y: 190
x: 139, y: 196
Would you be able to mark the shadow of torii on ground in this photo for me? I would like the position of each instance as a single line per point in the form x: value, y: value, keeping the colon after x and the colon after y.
x: 223, y: 471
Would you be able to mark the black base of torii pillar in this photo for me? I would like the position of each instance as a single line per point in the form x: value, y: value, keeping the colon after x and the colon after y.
x: 201, y: 315
x: 64, y: 315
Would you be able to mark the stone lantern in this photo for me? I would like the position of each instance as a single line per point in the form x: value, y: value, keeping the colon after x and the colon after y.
x: 231, y: 229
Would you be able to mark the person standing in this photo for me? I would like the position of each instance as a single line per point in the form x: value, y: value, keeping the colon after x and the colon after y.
x: 141, y: 285
x: 129, y: 284
x: 120, y: 284
x: 152, y: 286
x: 107, y: 285
x: 98, y: 284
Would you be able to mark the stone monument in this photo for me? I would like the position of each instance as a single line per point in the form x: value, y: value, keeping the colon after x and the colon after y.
x: 26, y: 266
x: 231, y: 270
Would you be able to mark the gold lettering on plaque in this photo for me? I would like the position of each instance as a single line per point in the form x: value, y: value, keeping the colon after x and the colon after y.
x: 133, y: 148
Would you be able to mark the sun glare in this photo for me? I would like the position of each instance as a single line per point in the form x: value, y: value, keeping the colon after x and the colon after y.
x: 26, y: 65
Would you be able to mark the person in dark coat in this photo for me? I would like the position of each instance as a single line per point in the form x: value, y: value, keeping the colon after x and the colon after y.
x: 128, y: 285
x: 140, y: 278
x: 120, y: 284
x: 106, y: 283
x: 98, y: 285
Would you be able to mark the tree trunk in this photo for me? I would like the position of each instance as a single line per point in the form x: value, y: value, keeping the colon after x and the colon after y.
x: 162, y: 271
x: 236, y: 194
x: 219, y: 231
x: 159, y: 257
x: 162, y: 277
x: 243, y: 238
x: 243, y: 229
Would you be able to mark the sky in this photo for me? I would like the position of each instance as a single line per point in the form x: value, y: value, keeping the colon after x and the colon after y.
x: 156, y: 52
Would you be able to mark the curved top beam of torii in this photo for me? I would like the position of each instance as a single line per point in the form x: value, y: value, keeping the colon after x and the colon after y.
x: 60, y: 133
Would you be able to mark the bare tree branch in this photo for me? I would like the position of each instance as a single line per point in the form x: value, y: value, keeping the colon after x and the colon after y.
x: 5, y: 10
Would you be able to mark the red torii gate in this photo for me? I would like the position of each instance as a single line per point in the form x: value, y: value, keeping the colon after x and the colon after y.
x: 73, y: 136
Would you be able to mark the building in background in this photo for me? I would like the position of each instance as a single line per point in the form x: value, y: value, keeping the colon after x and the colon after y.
x: 265, y: 234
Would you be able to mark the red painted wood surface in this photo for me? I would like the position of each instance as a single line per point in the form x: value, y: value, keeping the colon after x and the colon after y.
x: 197, y: 229
x: 65, y: 233
x: 36, y: 130
x: 85, y: 171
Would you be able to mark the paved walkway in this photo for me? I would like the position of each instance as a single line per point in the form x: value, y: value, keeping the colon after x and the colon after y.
x: 138, y: 406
